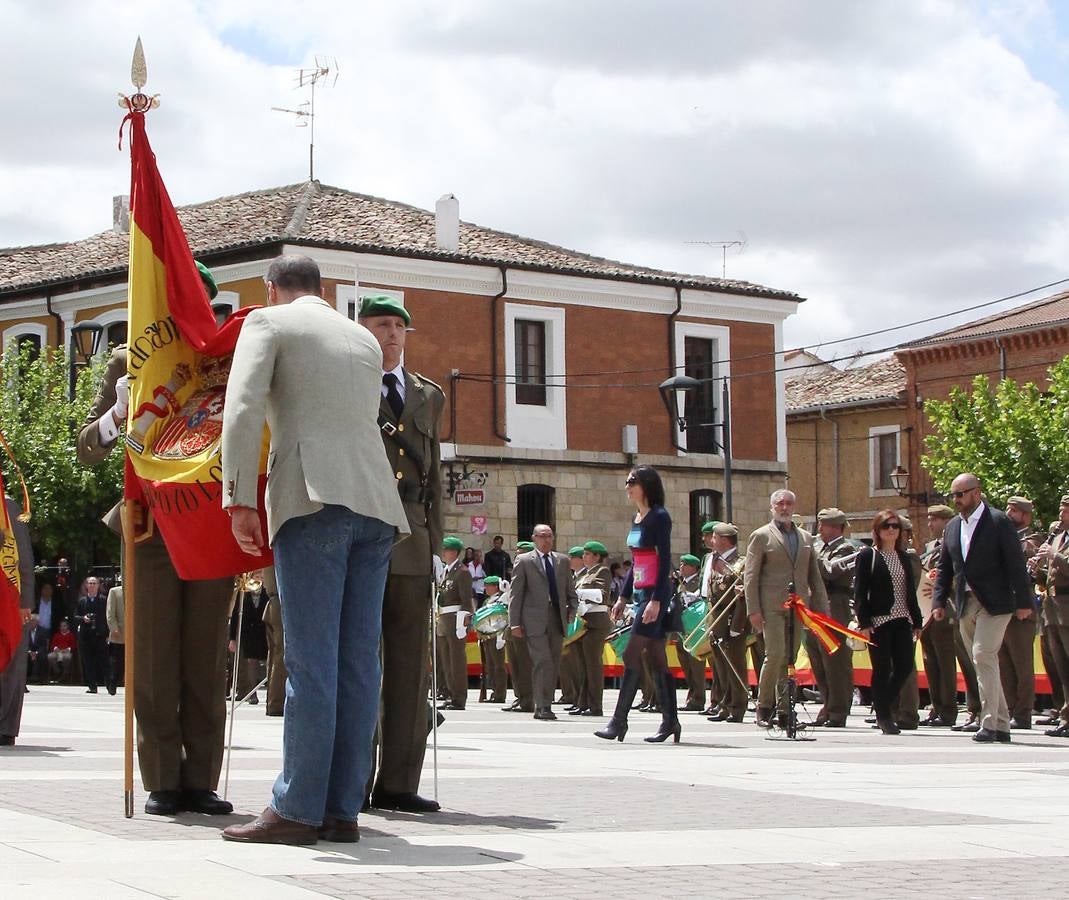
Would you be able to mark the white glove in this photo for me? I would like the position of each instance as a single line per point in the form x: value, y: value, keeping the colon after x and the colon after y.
x: 122, y: 396
x: 501, y: 641
x: 734, y: 634
x: 462, y: 629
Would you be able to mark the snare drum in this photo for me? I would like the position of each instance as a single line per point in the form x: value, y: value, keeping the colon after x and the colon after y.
x: 575, y: 631
x: 491, y: 620
x: 695, y: 630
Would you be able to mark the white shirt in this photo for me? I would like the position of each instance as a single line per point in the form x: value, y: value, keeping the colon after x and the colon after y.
x: 968, y: 527
x: 399, y: 374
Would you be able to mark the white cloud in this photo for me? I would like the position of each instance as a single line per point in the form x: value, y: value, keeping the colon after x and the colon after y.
x: 885, y: 160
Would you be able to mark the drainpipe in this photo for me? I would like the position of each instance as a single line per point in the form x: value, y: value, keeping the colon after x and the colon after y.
x: 834, y: 456
x: 672, y: 356
x: 493, y: 353
x: 59, y: 319
x: 1001, y: 358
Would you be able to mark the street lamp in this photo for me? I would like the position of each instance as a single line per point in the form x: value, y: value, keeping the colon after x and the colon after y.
x: 899, y: 476
x: 674, y: 392
x: 85, y: 342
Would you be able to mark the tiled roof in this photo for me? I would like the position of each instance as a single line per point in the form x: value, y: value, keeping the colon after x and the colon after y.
x: 881, y: 381
x: 319, y: 215
x: 1049, y: 311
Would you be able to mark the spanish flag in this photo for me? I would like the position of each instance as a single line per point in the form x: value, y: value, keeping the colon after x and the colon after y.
x: 10, y: 586
x: 178, y: 361
x: 821, y: 625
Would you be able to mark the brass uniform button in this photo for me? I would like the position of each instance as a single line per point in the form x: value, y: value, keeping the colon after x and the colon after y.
x: 401, y: 451
x: 400, y: 427
x: 400, y: 476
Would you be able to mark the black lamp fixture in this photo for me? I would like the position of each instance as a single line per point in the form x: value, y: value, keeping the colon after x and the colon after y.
x: 673, y: 390
x: 900, y: 481
x: 85, y: 342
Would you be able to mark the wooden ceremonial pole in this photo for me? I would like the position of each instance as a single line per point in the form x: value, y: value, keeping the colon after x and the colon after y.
x: 129, y: 607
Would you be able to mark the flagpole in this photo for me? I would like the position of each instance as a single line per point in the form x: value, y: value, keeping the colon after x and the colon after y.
x: 129, y: 676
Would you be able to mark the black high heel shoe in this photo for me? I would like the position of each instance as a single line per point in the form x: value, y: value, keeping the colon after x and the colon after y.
x: 670, y: 727
x: 614, y: 731
x: 667, y: 730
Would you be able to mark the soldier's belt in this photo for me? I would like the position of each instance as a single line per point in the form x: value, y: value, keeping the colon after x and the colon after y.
x: 450, y: 609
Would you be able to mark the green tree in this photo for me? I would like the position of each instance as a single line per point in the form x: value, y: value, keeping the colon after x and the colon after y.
x: 41, y: 423
x: 1014, y: 437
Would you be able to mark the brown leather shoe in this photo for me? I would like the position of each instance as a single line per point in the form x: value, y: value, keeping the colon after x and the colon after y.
x: 270, y: 828
x: 339, y: 831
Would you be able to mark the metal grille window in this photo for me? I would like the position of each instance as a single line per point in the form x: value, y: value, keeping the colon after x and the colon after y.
x: 534, y: 506
x: 699, y: 361
x: 115, y: 334
x: 530, y: 363
x: 706, y: 505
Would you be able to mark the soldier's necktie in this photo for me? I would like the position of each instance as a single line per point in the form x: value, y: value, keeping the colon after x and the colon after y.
x: 551, y: 576
x: 393, y: 395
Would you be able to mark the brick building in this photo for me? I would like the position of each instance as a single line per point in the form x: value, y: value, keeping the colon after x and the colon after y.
x: 846, y: 432
x: 545, y: 354
x: 1020, y: 344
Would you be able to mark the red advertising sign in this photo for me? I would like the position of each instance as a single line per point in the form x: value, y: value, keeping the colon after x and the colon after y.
x: 470, y: 497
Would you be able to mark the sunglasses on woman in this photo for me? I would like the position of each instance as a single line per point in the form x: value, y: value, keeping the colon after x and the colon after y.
x: 891, y: 526
x: 630, y: 480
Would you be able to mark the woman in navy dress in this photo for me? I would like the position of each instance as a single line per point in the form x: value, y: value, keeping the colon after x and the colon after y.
x: 649, y: 588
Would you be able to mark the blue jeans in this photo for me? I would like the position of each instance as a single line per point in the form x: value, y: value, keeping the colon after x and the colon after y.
x: 331, y: 572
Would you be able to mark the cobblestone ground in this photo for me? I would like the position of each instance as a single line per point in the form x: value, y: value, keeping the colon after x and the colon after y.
x: 544, y: 809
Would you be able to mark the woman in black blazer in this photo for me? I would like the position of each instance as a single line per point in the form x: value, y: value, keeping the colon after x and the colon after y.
x: 885, y: 601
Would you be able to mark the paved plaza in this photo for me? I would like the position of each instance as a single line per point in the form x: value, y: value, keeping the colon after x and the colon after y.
x: 544, y: 809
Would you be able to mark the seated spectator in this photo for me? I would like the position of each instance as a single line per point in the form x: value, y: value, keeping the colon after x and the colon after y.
x: 59, y: 659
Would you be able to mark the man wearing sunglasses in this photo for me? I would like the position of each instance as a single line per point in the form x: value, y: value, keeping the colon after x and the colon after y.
x: 981, y: 563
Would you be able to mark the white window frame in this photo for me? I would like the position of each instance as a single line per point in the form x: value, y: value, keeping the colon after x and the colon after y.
x: 227, y: 298
x: 352, y: 293
x: 537, y: 427
x: 12, y: 334
x: 874, y: 451
x: 104, y: 320
x: 721, y: 337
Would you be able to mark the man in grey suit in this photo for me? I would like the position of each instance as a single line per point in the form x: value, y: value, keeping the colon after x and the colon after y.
x: 333, y: 511
x: 779, y: 554
x: 544, y: 603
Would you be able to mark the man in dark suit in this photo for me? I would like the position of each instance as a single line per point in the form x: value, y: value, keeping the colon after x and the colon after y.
x: 409, y: 414
x: 544, y: 602
x: 981, y: 563
x: 92, y: 617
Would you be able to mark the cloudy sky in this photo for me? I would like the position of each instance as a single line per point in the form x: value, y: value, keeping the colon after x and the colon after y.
x: 887, y: 160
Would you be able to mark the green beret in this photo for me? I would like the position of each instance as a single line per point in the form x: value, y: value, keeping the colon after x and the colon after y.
x: 726, y: 529
x: 575, y: 551
x: 381, y: 305
x: 208, y: 279
x: 691, y: 560
x: 832, y: 516
x: 525, y: 546
x: 708, y: 527
x: 596, y: 547
x: 491, y: 579
x: 1022, y: 503
x: 452, y: 543
x: 941, y: 511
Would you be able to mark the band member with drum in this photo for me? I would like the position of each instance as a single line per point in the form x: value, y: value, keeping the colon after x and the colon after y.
x: 688, y: 590
x: 493, y: 646
x: 590, y: 648
x: 648, y: 584
x: 518, y: 658
x: 728, y: 635
x: 571, y: 665
x: 456, y: 605
x: 834, y: 672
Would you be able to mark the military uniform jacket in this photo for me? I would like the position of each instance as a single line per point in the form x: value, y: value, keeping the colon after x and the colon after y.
x: 838, y: 574
x: 736, y: 621
x: 1056, y: 606
x: 414, y: 453
x: 598, y: 577
x: 455, y: 588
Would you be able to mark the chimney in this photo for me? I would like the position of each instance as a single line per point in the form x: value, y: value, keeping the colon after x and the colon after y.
x: 120, y: 213
x: 447, y: 223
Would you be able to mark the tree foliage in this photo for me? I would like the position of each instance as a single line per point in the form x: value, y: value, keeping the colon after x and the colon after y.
x: 41, y: 424
x: 1014, y: 437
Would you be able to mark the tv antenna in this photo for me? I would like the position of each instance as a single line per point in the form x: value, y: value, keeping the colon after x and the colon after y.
x: 306, y: 112
x: 741, y: 243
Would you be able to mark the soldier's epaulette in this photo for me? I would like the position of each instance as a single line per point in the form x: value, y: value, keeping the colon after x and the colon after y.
x: 420, y: 380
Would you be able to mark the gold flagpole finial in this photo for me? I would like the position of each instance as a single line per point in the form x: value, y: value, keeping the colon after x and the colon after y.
x: 139, y: 102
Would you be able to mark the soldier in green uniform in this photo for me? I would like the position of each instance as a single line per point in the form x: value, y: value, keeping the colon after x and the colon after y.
x: 571, y: 663
x: 519, y: 661
x: 456, y: 604
x: 728, y: 635
x: 937, y: 636
x: 409, y: 415
x: 688, y: 589
x: 590, y: 648
x: 1016, y: 656
x: 1052, y: 565
x: 708, y: 561
x: 834, y: 672
x: 493, y: 647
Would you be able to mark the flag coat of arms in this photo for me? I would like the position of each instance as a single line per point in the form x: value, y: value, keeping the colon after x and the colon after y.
x: 10, y: 585
x: 178, y: 361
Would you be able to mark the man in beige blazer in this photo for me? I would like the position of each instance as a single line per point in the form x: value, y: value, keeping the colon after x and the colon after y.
x: 779, y: 554
x: 541, y: 611
x: 333, y: 512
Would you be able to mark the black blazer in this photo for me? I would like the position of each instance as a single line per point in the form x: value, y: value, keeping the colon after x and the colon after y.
x: 874, y: 592
x: 995, y: 569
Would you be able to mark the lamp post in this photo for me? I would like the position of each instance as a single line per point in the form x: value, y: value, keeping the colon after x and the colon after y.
x: 85, y: 342
x: 674, y: 392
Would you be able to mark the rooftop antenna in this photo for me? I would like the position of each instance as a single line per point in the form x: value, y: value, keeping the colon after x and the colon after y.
x: 723, y: 245
x: 306, y: 112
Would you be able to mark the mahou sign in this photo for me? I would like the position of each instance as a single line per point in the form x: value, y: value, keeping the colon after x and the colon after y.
x: 470, y: 497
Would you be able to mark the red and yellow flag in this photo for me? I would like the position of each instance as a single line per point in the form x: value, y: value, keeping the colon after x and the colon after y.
x: 821, y: 625
x: 10, y: 581
x: 178, y: 362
